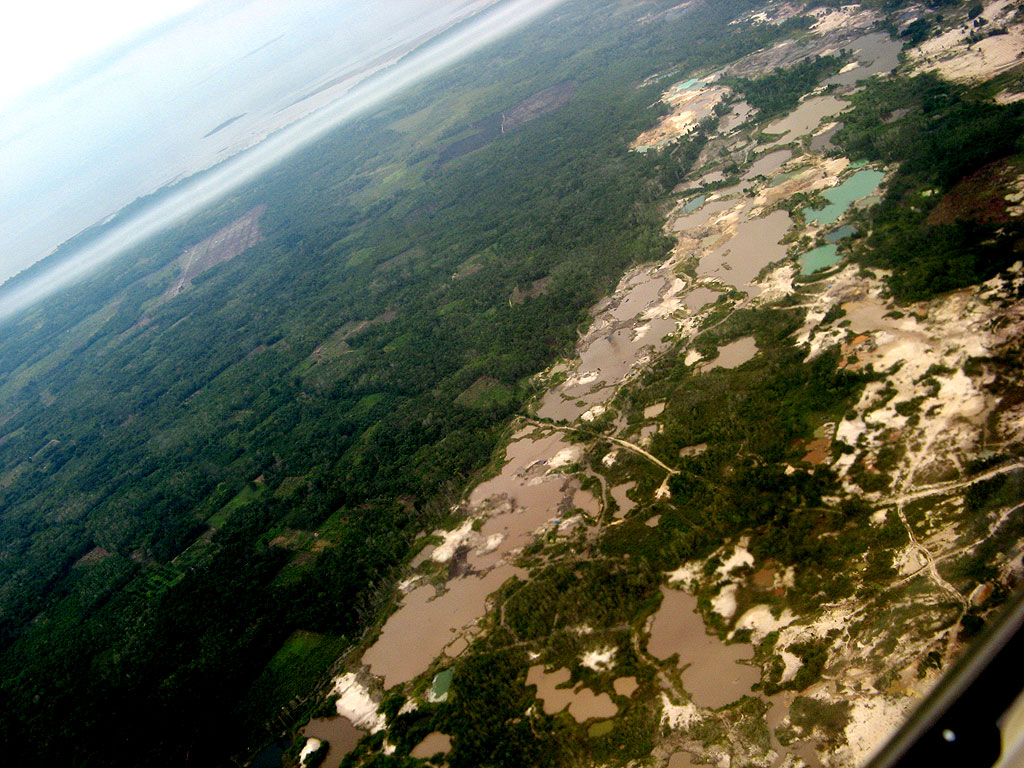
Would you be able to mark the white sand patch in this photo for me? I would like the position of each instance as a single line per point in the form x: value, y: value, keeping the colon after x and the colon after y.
x: 409, y: 707
x: 663, y: 492
x: 598, y: 660
x: 871, y: 721
x: 677, y: 716
x: 452, y: 541
x: 831, y: 19
x: 311, y: 746
x: 792, y: 666
x: 406, y: 585
x: 724, y: 603
x: 878, y: 516
x: 822, y: 341
x: 689, y: 107
x: 760, y: 621
x: 568, y: 526
x: 849, y: 431
x: 610, y: 458
x: 1008, y: 97
x: 788, y: 578
x: 887, y: 417
x: 355, y: 703
x: 776, y: 284
x: 566, y: 456
x: 909, y: 561
x: 693, y: 357
x: 667, y: 307
x: 594, y: 413
x: 686, y: 574
x: 960, y: 395
x: 491, y: 543
x: 956, y: 58
x: 739, y: 558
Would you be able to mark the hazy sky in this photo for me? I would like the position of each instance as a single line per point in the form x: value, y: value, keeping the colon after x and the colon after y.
x: 134, y: 106
x: 41, y: 40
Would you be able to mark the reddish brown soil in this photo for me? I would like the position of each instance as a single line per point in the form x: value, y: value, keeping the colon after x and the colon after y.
x: 980, y: 196
x: 534, y: 106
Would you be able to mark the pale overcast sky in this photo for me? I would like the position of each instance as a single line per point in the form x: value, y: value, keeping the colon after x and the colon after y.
x: 40, y: 40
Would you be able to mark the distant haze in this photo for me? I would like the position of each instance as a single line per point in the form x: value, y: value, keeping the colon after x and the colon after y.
x: 216, y: 81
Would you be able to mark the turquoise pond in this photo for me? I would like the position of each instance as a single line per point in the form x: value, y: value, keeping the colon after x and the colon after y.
x: 694, y: 204
x: 820, y: 258
x: 442, y: 682
x: 838, y: 234
x: 689, y: 84
x: 860, y: 185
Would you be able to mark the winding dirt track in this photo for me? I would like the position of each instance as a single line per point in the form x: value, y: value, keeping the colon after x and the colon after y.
x: 617, y: 440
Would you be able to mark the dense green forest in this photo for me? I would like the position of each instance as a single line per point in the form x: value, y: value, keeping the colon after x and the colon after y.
x: 204, y: 499
x: 943, y: 222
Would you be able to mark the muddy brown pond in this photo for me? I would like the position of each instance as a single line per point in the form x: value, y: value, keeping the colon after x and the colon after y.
x: 712, y: 671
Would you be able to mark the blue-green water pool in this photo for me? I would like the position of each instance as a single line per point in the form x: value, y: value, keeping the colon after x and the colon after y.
x: 819, y: 258
x: 840, y: 198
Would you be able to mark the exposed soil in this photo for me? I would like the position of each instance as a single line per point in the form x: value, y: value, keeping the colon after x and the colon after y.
x: 224, y: 245
x: 536, y: 105
x: 980, y: 196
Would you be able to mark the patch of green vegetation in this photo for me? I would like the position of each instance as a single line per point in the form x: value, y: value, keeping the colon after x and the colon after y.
x: 486, y: 394
x: 599, y: 730
x: 566, y: 595
x: 250, y: 492
x: 808, y: 716
x: 293, y: 671
x: 485, y: 716
x: 781, y: 91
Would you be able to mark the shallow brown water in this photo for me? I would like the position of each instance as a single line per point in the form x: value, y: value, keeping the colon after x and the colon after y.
x: 768, y: 163
x: 625, y: 686
x: 700, y: 296
x: 431, y: 745
x: 735, y: 353
x: 700, y: 217
x: 683, y: 760
x: 583, y: 703
x: 741, y: 111
x: 340, y: 734
x: 523, y: 497
x: 755, y: 246
x: 712, y: 674
x: 433, y: 622
x: 877, y: 53
x: 805, y: 118
x: 625, y: 503
x: 586, y: 501
x: 653, y: 411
